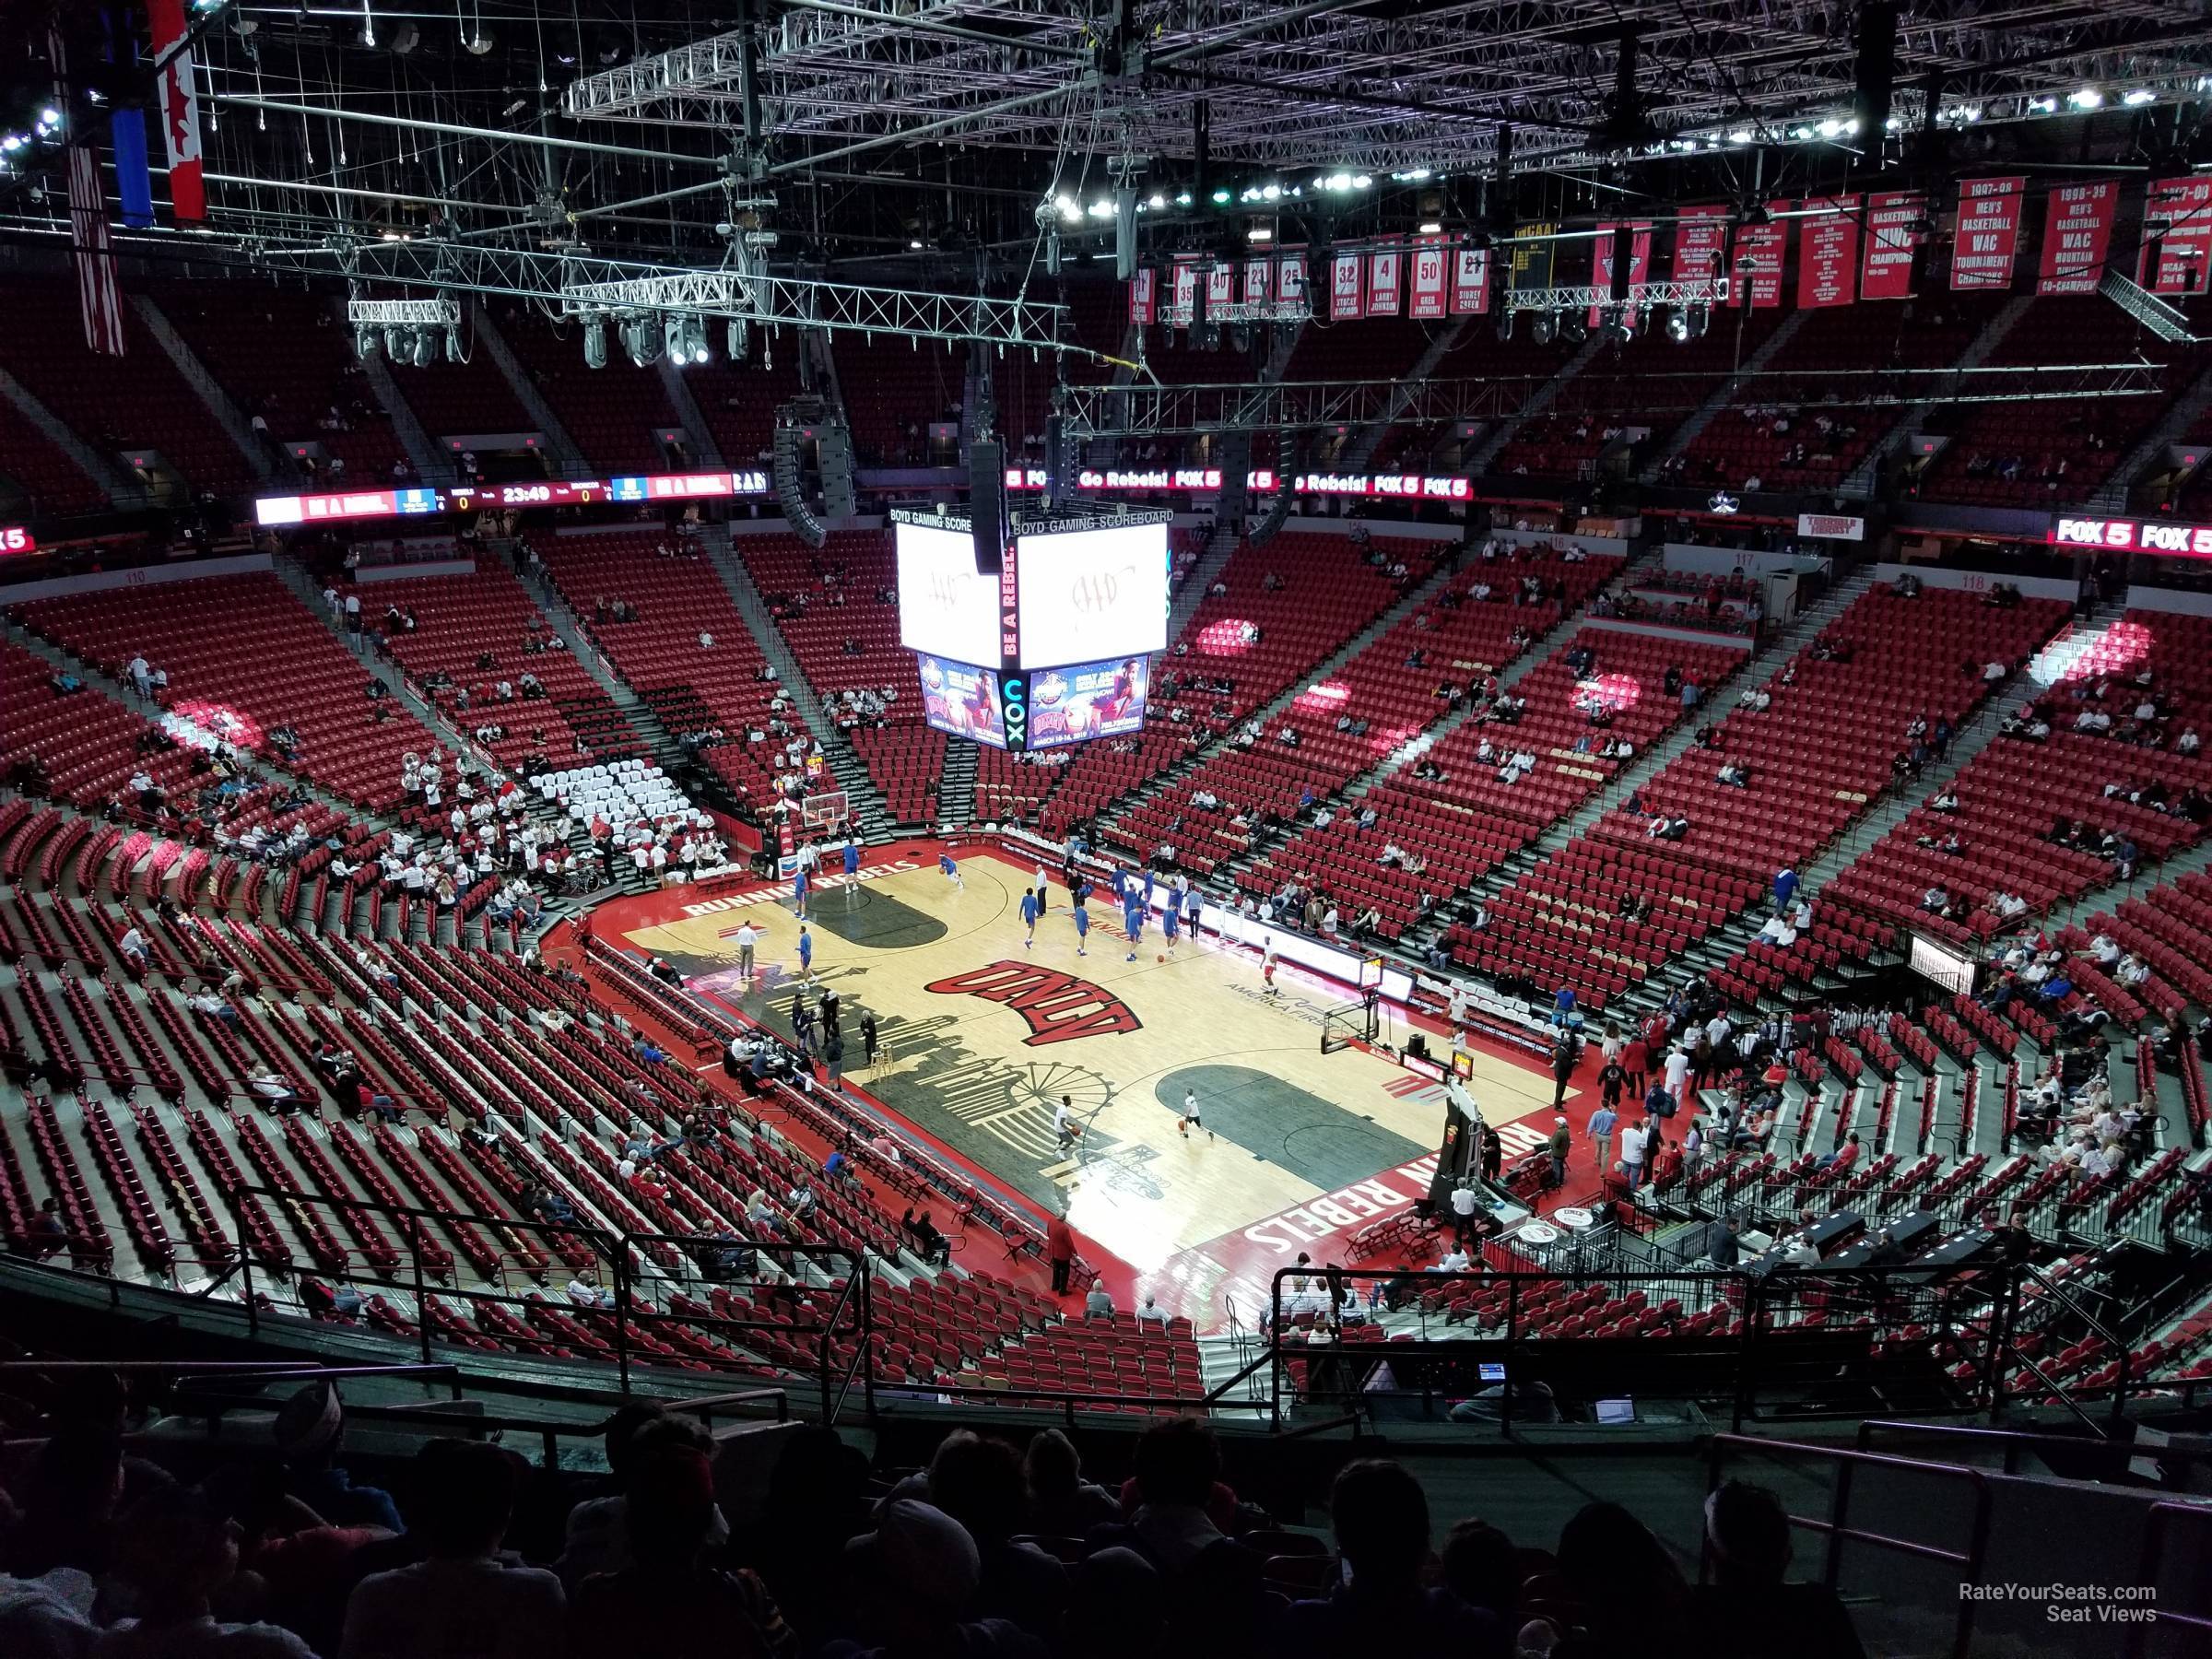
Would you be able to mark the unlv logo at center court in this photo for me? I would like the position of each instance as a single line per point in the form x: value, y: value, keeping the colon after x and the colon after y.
x: 1058, y: 1007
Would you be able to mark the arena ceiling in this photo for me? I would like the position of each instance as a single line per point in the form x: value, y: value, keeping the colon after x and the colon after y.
x: 940, y: 139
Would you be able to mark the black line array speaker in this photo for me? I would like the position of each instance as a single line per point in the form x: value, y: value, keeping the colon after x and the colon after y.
x: 988, y: 503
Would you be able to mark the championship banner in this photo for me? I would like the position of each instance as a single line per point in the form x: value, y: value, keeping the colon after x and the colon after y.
x: 1757, y: 279
x: 2078, y: 232
x: 1347, y: 290
x: 1259, y: 277
x: 1640, y: 268
x: 1892, y: 234
x: 1184, y: 311
x: 1143, y: 296
x: 1828, y: 251
x: 1384, y: 273
x: 1700, y: 244
x: 1989, y: 232
x: 1290, y: 281
x: 2177, y: 222
x: 1429, y: 297
x: 1534, y: 252
x: 1470, y: 282
x: 1220, y: 287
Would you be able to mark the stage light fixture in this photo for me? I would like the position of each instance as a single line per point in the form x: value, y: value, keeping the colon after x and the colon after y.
x: 397, y: 345
x: 426, y: 347
x: 595, y: 343
x: 672, y: 338
x: 1572, y: 328
x: 366, y: 339
x: 1505, y: 324
x: 1700, y: 317
x: 695, y: 341
x: 1678, y: 326
x: 1544, y: 329
x: 641, y: 340
x: 453, y: 344
x: 738, y: 340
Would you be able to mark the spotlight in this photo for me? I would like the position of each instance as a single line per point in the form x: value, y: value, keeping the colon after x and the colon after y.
x: 1544, y: 329
x: 1678, y: 326
x: 595, y: 343
x: 1700, y: 318
x: 695, y: 341
x: 366, y: 339
x: 426, y: 347
x: 1505, y: 324
x: 1572, y: 328
x: 398, y: 346
x: 738, y: 340
x: 453, y: 344
x: 1616, y: 327
x: 641, y: 340
x: 2088, y: 97
x: 672, y: 340
x: 2139, y: 97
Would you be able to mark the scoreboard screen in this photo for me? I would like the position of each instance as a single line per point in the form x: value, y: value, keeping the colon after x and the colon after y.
x: 1090, y: 699
x: 1087, y: 596
x: 947, y: 609
x: 962, y: 700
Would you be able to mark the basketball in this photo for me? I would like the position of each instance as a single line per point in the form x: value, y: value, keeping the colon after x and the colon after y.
x: 1162, y: 957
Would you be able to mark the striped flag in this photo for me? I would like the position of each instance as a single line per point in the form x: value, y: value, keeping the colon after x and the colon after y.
x: 97, y: 295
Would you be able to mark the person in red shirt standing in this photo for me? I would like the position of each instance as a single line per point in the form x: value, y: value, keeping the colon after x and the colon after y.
x: 1060, y: 1250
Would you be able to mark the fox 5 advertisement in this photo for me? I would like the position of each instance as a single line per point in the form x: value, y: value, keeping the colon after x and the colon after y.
x: 962, y: 700
x: 1088, y: 701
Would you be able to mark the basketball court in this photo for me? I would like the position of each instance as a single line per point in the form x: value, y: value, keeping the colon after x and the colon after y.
x: 982, y: 1036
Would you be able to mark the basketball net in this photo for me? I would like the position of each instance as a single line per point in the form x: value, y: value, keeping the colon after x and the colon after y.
x: 825, y: 812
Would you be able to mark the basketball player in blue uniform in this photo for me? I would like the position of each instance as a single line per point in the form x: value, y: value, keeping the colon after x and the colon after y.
x: 1079, y: 893
x: 1171, y: 923
x: 1029, y: 916
x: 1133, y: 921
x: 799, y: 884
x: 852, y: 868
x: 952, y: 870
x: 807, y: 954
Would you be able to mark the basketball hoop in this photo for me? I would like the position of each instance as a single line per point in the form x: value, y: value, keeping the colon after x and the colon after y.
x: 825, y: 812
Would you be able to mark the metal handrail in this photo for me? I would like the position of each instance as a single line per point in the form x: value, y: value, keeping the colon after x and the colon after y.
x: 2014, y: 1441
x: 2154, y: 1549
x: 1839, y: 1531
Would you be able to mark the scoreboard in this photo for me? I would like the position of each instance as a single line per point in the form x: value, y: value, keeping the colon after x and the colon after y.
x: 1054, y: 647
x: 423, y: 501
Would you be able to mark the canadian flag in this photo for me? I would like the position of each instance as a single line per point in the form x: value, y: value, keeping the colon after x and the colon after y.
x: 179, y: 113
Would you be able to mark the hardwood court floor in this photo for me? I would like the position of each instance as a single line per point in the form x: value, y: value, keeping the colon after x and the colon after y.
x: 983, y: 1038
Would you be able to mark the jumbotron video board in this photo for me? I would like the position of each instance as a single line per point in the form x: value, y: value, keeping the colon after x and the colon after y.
x: 1055, y: 647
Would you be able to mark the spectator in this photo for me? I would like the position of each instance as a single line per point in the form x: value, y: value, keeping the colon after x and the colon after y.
x: 68, y: 1505
x: 174, y: 1553
x: 598, y: 1528
x: 1629, y: 1587
x: 462, y: 1601
x: 1062, y: 1503
x: 1210, y: 1589
x: 1481, y: 1568
x: 921, y: 1570
x: 979, y: 1483
x: 1380, y: 1518
x: 309, y: 1427
x: 1749, y: 1612
x: 670, y: 1601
